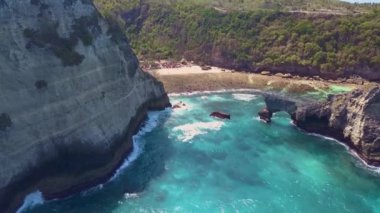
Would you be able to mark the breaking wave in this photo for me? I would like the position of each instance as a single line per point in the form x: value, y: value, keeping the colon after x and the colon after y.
x: 212, y: 92
x: 360, y: 162
x: 32, y: 199
x: 36, y: 198
x: 244, y: 96
x: 187, y: 132
x: 151, y: 123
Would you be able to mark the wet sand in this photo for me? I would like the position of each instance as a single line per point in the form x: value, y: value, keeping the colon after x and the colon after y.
x: 193, y: 78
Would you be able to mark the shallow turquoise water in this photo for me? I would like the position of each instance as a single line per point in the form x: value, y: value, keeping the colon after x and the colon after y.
x: 193, y: 163
x: 323, y: 94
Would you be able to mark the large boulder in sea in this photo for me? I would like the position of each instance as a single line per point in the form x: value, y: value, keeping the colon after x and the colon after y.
x: 353, y: 118
x: 72, y: 95
x: 220, y: 115
x: 265, y: 115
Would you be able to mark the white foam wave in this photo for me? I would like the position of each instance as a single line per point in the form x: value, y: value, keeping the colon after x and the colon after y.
x: 361, y: 162
x: 244, y: 96
x: 257, y: 118
x: 151, y: 123
x: 183, y: 107
x: 131, y: 196
x: 189, y: 131
x: 212, y: 92
x: 36, y: 198
x: 33, y: 199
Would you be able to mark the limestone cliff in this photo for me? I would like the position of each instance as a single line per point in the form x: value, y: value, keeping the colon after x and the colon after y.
x: 71, y: 97
x: 353, y: 118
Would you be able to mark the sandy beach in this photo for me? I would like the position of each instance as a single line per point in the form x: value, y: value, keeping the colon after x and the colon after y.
x: 186, y: 70
x: 193, y: 78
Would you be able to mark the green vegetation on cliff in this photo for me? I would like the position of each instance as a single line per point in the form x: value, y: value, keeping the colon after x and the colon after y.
x: 254, y: 39
x: 331, y: 6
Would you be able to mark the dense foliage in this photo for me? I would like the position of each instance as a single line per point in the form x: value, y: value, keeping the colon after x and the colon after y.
x: 250, y: 39
x: 245, y: 5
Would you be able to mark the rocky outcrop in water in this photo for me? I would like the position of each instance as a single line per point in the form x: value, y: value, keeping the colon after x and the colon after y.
x: 71, y: 97
x: 265, y: 115
x: 353, y: 118
x: 220, y: 115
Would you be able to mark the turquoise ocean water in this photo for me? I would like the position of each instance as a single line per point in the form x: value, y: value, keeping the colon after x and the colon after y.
x: 191, y: 162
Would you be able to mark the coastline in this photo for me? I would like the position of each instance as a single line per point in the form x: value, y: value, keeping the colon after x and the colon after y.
x: 193, y: 78
x: 351, y: 150
x: 360, y: 162
x: 363, y: 163
x: 247, y: 86
x: 50, y: 189
x: 184, y: 81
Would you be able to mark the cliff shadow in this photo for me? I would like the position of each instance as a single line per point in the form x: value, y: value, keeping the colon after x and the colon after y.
x: 155, y: 150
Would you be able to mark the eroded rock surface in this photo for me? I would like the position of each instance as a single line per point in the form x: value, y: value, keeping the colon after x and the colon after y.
x: 265, y: 115
x: 220, y: 115
x: 71, y: 97
x: 353, y: 118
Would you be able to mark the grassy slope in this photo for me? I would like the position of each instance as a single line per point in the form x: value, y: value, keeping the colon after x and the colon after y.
x: 254, y: 37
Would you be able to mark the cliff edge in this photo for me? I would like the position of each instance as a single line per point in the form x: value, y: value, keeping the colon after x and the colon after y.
x: 353, y: 118
x: 71, y: 97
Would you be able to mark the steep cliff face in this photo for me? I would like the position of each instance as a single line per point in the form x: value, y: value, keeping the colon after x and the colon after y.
x: 71, y: 97
x: 353, y: 118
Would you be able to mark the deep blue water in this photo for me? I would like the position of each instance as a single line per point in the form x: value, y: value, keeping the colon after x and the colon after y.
x: 194, y: 163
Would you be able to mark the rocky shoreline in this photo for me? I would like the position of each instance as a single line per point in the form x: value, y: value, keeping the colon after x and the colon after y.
x: 61, y: 184
x: 192, y: 78
x: 353, y: 118
x: 72, y: 97
x: 286, y: 72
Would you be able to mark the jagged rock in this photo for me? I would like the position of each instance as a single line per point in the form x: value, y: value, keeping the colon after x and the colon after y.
x: 265, y: 115
x: 282, y: 75
x: 353, y: 118
x: 179, y: 105
x: 220, y: 115
x: 276, y: 103
x: 72, y: 96
x: 206, y: 67
x: 183, y: 61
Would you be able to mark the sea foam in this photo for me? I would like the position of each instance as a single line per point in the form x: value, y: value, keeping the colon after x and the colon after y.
x: 360, y: 161
x: 187, y: 132
x: 206, y: 92
x: 131, y: 196
x: 32, y: 199
x: 36, y: 198
x: 244, y: 96
x: 151, y: 123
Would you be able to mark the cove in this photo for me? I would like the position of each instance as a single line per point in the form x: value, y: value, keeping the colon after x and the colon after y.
x: 191, y: 162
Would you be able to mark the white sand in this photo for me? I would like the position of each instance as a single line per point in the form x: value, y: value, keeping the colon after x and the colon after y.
x: 186, y: 70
